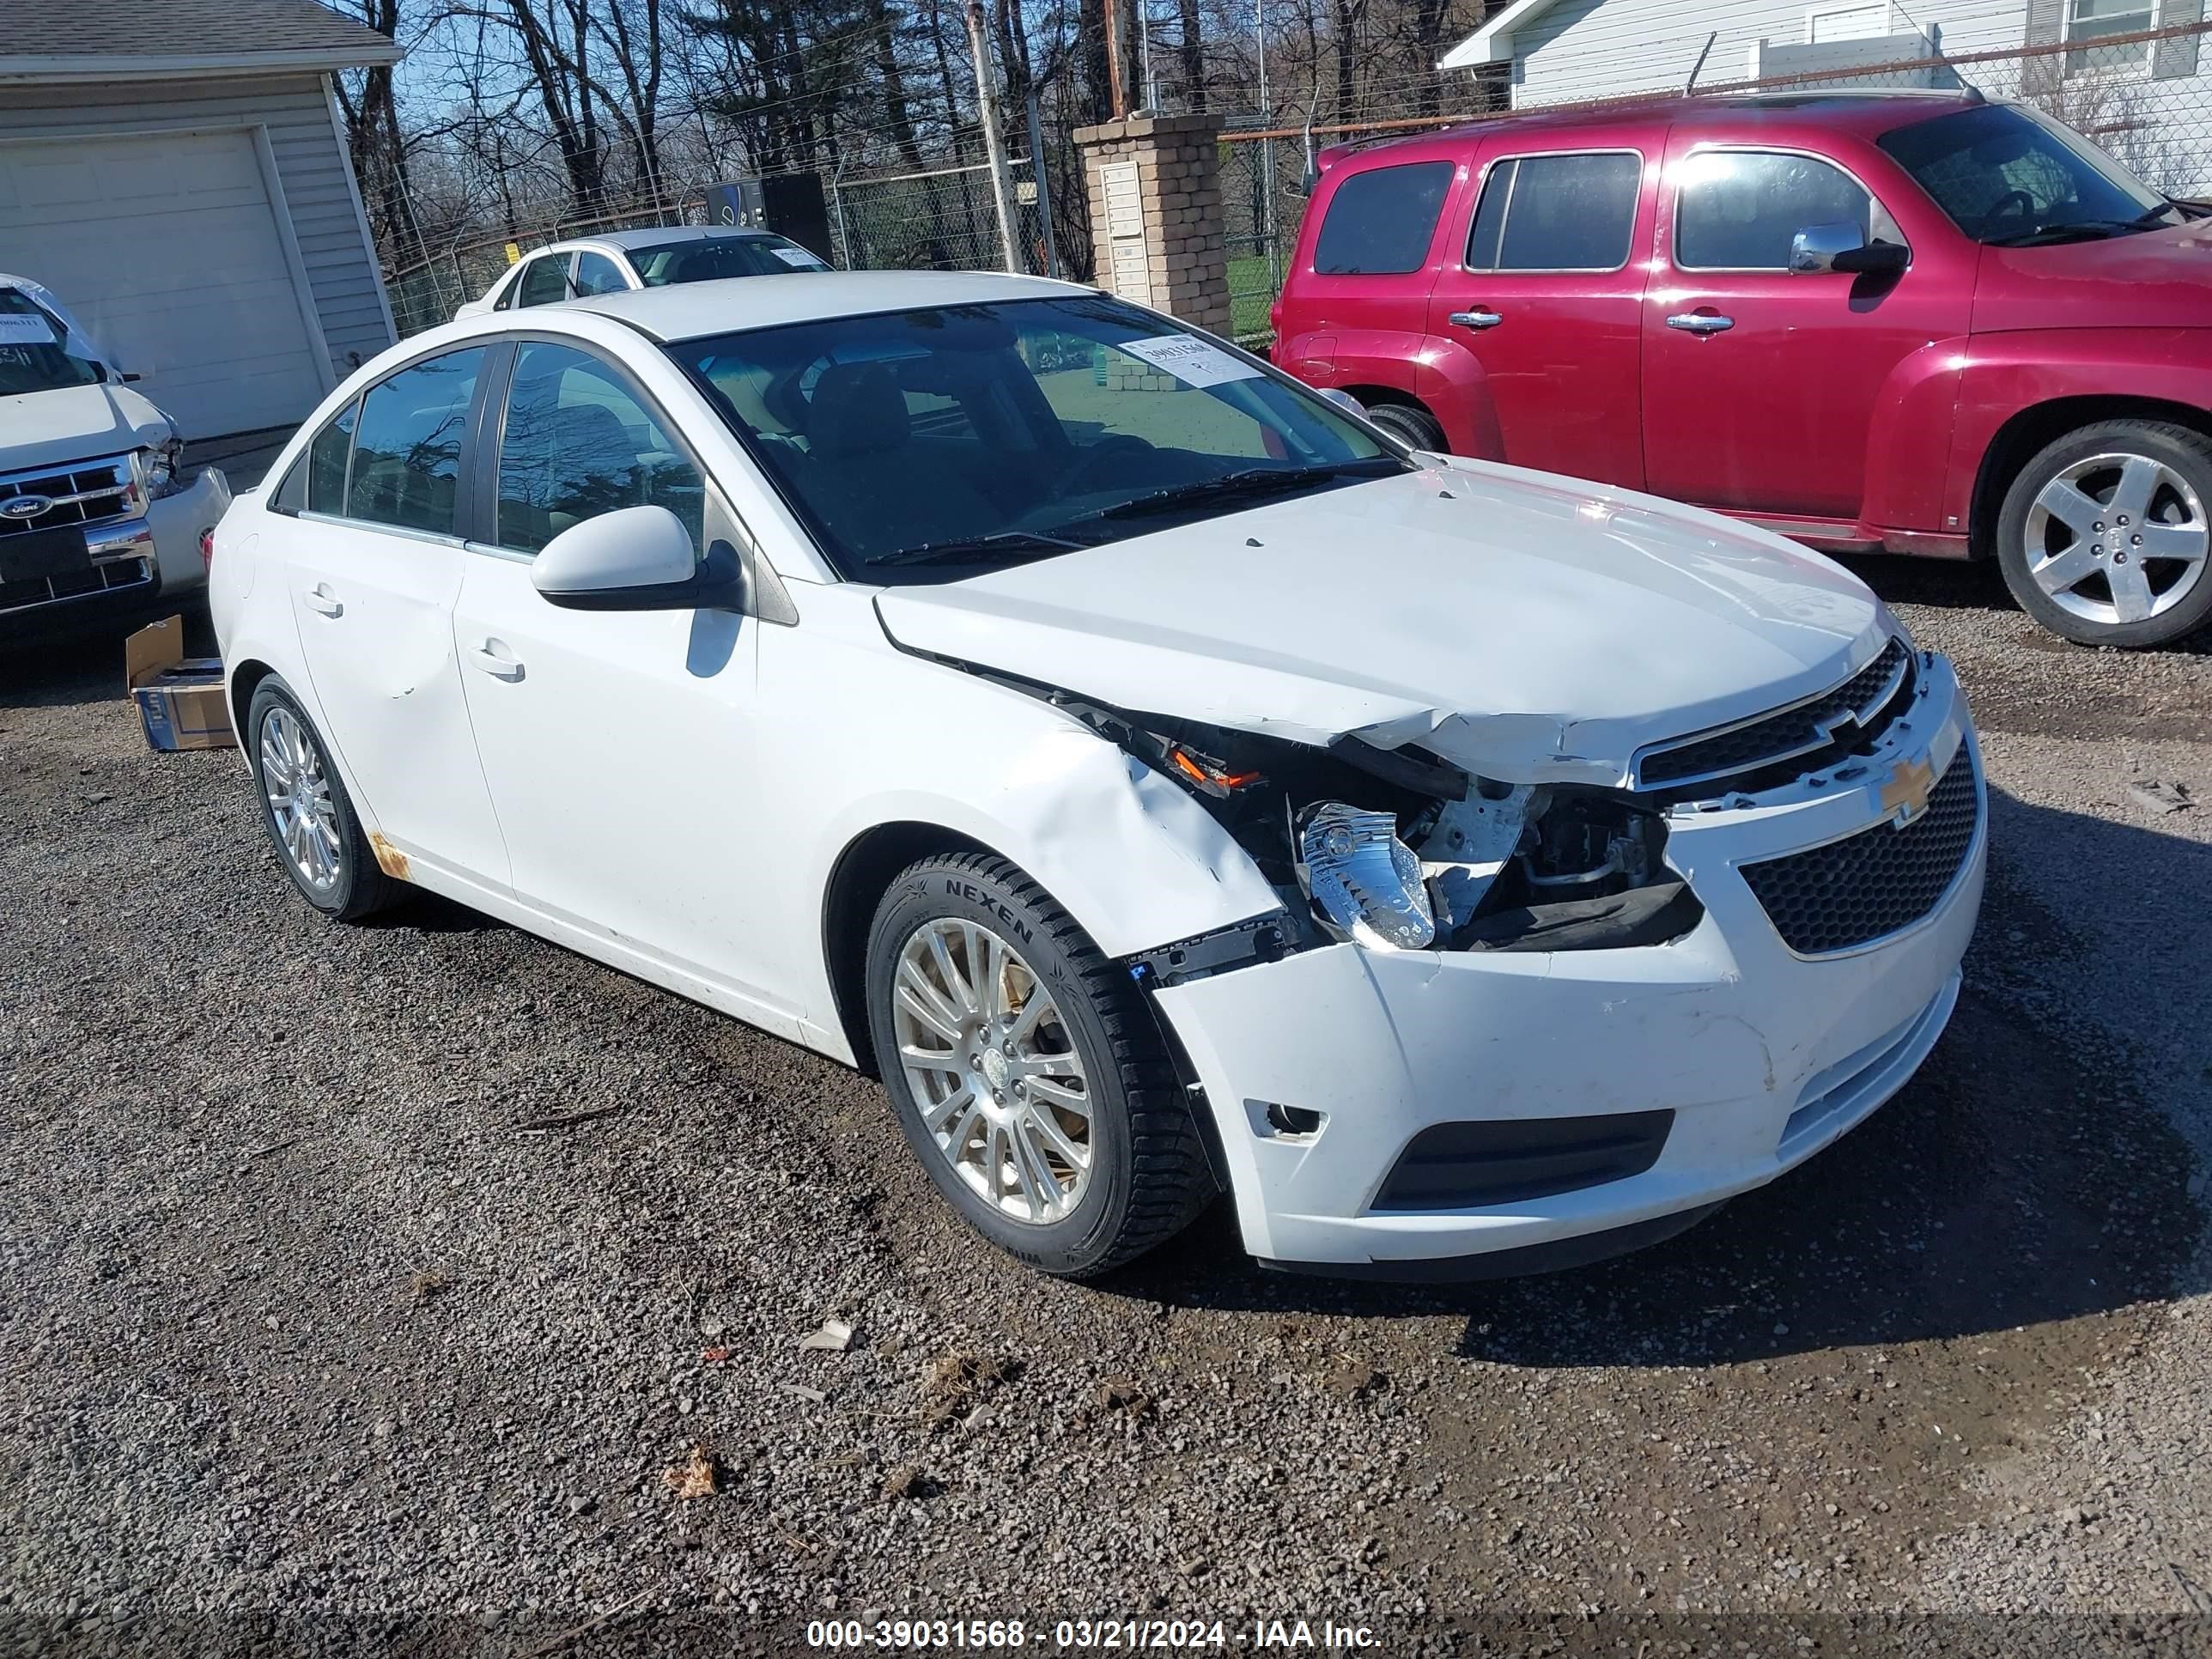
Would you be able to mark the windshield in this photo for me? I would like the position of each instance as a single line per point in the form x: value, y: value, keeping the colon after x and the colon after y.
x: 33, y: 357
x: 716, y: 257
x: 2013, y: 177
x: 968, y: 435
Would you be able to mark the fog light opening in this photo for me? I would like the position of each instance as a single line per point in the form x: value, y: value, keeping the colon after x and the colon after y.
x: 1300, y: 1121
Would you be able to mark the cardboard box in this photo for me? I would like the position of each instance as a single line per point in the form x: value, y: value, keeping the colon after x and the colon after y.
x: 179, y: 698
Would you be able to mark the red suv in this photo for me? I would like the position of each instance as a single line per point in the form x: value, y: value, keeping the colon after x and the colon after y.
x: 1918, y: 322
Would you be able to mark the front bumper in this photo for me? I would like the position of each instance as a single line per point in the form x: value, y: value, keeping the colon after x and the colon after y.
x: 176, y: 521
x: 1764, y: 1056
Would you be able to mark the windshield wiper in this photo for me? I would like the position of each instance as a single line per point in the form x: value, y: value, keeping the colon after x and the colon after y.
x: 1252, y: 481
x: 953, y: 550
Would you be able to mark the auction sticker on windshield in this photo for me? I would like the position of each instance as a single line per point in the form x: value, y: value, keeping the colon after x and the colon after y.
x: 797, y: 256
x: 1194, y: 361
x: 25, y: 331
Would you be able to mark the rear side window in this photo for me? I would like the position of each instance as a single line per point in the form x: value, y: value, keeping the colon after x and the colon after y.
x: 316, y: 483
x: 1741, y: 209
x: 596, y: 273
x: 1556, y: 213
x: 407, y: 452
x: 1380, y: 221
x: 543, y: 282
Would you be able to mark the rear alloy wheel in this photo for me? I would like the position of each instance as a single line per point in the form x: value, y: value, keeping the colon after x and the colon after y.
x: 1408, y: 425
x: 1027, y: 1072
x: 310, y: 820
x: 2104, y: 537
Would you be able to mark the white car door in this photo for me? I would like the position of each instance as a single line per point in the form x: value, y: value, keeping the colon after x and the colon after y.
x: 374, y: 563
x: 619, y: 745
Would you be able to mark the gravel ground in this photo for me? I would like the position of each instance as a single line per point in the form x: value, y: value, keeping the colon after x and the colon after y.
x: 309, y: 1341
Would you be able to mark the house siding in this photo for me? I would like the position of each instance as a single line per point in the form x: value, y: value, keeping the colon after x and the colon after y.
x: 312, y: 169
x: 1589, y: 49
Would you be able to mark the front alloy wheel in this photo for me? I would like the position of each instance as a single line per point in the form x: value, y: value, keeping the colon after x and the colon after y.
x: 990, y: 1063
x: 1027, y: 1070
x: 2104, y: 537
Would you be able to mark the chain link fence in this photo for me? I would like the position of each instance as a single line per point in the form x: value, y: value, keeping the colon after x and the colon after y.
x: 2121, y: 94
x: 940, y: 218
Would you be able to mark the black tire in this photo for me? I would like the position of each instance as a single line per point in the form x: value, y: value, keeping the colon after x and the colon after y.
x: 360, y: 888
x: 2188, y: 452
x: 1149, y: 1175
x: 1409, y: 425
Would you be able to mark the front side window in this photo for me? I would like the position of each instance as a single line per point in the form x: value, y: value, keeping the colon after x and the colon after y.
x: 1381, y: 221
x: 543, y: 281
x: 597, y: 274
x: 1556, y: 213
x: 407, y: 449
x: 577, y: 442
x: 1742, y: 209
x: 959, y: 437
x: 2011, y: 176
x: 2088, y: 21
x: 709, y: 258
x: 35, y: 353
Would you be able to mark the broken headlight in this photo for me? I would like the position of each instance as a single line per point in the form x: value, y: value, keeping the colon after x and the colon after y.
x: 158, y: 468
x: 1363, y: 877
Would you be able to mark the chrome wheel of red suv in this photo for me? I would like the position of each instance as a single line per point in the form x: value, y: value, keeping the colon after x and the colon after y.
x: 2104, y: 537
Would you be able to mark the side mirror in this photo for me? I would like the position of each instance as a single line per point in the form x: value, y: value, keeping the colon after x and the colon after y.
x: 1839, y: 247
x: 1344, y: 401
x: 636, y: 558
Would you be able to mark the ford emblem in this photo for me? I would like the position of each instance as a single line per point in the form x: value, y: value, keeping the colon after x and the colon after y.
x: 24, y: 507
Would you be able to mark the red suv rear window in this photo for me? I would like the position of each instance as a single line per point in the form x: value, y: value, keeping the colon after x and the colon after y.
x: 1381, y: 221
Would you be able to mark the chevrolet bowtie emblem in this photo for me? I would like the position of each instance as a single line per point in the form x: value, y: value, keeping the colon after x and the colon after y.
x: 1905, y: 797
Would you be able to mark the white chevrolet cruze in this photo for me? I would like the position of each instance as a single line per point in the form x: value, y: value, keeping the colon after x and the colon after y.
x: 1162, y: 779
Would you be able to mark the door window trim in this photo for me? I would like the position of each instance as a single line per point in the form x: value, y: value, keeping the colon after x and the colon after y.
x: 1675, y: 206
x: 1512, y: 190
x: 488, y: 438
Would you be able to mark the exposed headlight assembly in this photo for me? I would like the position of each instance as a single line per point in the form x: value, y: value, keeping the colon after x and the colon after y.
x: 1363, y: 877
x: 159, y: 468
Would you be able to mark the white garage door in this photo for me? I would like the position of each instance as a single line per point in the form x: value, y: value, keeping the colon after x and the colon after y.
x: 166, y: 249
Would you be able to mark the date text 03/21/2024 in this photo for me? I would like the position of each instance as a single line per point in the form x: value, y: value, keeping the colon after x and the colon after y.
x: 1007, y: 1635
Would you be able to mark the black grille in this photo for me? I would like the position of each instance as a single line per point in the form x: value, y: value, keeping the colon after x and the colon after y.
x: 1874, y: 883
x: 75, y: 584
x: 90, y: 492
x: 1851, y: 716
x: 1464, y: 1166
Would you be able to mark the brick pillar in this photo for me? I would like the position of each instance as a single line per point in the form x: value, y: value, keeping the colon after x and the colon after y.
x: 1155, y: 188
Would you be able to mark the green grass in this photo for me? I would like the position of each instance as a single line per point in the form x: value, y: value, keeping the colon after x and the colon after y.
x: 1251, y: 291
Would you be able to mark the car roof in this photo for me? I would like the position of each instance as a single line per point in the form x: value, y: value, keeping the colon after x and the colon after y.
x: 689, y: 310
x: 1862, y: 112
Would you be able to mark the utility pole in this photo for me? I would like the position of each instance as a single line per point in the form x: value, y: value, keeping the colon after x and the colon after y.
x: 1112, y: 9
x: 994, y: 143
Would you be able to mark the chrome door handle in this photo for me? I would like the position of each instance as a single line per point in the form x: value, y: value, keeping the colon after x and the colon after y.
x: 1697, y: 322
x: 322, y: 601
x: 1478, y: 318
x: 494, y: 660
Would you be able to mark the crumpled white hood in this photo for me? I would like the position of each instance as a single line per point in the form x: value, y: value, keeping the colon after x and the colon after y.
x: 1521, y: 625
x: 77, y: 424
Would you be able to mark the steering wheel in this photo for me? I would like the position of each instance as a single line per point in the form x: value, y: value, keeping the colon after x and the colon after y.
x: 1093, y: 457
x: 2013, y: 204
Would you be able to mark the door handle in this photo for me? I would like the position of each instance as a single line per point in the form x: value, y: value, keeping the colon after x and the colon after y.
x: 1701, y: 322
x: 1479, y: 318
x: 322, y: 601
x: 491, y: 657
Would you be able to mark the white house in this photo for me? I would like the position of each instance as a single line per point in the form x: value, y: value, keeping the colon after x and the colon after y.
x: 1567, y: 51
x: 176, y: 170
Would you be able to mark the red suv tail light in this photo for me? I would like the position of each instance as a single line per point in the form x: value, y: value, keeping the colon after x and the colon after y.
x: 207, y: 548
